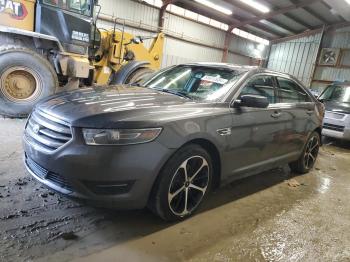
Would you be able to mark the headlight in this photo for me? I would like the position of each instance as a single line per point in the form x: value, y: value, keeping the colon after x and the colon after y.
x: 120, y: 136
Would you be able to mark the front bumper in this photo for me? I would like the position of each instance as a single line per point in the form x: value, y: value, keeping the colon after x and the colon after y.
x: 336, y: 125
x: 345, y: 135
x: 110, y: 176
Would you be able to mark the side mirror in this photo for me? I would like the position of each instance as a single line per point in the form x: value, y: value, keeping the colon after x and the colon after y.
x: 252, y: 101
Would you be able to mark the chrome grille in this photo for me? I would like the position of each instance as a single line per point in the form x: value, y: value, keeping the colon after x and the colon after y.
x: 59, y: 181
x: 333, y: 127
x: 36, y: 168
x: 47, y: 133
x: 45, y: 174
x: 333, y: 115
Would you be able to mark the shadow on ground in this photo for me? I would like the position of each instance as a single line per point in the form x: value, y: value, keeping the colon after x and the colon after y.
x: 37, y: 222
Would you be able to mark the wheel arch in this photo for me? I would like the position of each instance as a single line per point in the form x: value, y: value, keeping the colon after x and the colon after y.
x: 319, y: 131
x: 213, y: 151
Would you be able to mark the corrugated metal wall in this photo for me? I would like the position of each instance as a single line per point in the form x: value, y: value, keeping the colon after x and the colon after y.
x: 178, y: 51
x: 248, y: 48
x: 210, y: 41
x: 238, y: 59
x: 296, y: 57
x: 338, y: 39
x: 130, y: 10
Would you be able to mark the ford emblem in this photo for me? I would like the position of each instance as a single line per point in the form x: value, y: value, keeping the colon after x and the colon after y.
x: 36, y: 128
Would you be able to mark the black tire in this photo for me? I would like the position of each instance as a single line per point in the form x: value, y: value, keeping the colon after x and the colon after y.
x: 33, y: 66
x: 134, y: 77
x: 306, y: 161
x: 139, y: 75
x: 172, y: 180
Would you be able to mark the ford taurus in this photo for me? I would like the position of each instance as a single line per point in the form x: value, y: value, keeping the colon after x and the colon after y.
x: 168, y: 141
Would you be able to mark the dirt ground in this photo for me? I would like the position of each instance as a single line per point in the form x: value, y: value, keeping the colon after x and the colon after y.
x: 273, y: 216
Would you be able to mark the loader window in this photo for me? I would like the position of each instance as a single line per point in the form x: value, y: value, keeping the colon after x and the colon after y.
x: 80, y: 6
x: 83, y: 7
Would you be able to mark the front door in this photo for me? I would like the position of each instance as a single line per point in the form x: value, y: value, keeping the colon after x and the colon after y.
x: 297, y: 105
x: 256, y: 133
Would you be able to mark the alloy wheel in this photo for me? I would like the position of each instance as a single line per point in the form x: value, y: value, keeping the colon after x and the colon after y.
x: 188, y: 185
x: 311, y: 152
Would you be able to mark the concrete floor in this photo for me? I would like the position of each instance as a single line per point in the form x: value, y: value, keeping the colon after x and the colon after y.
x: 274, y: 216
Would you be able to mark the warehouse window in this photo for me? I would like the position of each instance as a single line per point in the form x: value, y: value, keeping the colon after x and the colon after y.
x: 203, y: 19
x: 215, y: 23
x: 207, y: 20
x: 250, y: 36
x: 224, y: 26
x: 191, y: 15
x: 176, y: 10
x: 157, y: 3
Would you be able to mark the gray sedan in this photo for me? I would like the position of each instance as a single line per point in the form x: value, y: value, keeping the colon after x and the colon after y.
x: 168, y: 141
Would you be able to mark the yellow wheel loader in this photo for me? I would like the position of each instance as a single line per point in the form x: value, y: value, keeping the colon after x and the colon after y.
x: 48, y: 46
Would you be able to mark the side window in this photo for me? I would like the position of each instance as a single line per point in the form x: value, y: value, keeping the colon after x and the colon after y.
x: 262, y: 86
x: 291, y: 92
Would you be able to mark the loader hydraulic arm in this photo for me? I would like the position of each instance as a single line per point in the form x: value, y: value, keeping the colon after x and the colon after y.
x: 118, y: 48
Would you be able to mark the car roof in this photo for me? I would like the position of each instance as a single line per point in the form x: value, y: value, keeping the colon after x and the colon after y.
x: 242, y: 68
x: 224, y: 65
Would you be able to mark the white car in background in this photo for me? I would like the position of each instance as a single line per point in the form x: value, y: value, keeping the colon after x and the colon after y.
x: 336, y: 99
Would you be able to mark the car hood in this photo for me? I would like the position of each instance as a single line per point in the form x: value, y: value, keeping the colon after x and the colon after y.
x: 337, y: 107
x: 118, y: 107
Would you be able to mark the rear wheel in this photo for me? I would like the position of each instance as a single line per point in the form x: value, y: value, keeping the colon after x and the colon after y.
x: 182, y: 184
x: 308, y: 158
x: 25, y: 78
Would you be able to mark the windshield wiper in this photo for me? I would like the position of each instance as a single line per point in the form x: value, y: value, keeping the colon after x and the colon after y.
x: 178, y: 93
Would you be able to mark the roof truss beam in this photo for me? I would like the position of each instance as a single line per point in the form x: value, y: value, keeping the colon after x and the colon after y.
x: 190, y: 5
x: 312, y: 32
x: 300, y: 4
x: 312, y: 13
x: 280, y: 27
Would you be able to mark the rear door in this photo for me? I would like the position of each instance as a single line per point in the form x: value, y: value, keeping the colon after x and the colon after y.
x: 256, y: 132
x: 298, y: 107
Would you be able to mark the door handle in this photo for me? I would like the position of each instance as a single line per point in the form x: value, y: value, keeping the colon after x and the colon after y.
x: 310, y: 112
x: 276, y: 114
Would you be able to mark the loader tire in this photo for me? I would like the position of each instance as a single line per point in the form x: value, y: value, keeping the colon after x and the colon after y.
x: 138, y: 75
x: 25, y: 79
x: 134, y: 77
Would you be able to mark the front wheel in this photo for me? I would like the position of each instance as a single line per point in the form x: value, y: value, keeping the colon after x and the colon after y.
x: 182, y: 184
x: 309, y: 155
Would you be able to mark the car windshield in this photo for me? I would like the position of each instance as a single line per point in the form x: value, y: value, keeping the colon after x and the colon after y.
x: 194, y: 82
x: 337, y: 94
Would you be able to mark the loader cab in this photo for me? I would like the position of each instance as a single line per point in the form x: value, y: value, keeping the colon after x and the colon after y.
x: 70, y: 21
